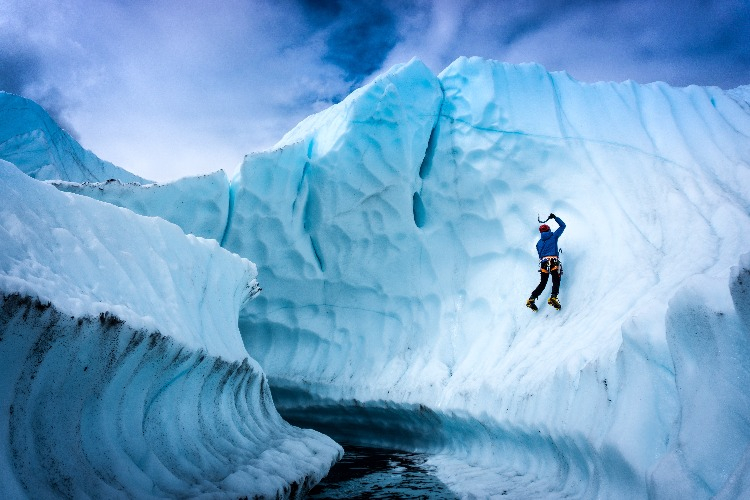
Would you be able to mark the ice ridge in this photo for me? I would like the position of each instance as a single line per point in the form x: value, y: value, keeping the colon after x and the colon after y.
x: 198, y: 205
x: 33, y: 142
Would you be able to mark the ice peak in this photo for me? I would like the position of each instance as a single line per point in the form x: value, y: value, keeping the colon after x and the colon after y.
x: 406, y: 91
x: 31, y: 140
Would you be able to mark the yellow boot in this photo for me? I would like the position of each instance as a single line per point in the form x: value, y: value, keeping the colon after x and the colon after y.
x: 554, y: 302
x: 530, y: 304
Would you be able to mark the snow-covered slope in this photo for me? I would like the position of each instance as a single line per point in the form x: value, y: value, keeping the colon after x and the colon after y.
x: 395, y: 238
x: 124, y: 374
x: 199, y: 205
x: 32, y: 141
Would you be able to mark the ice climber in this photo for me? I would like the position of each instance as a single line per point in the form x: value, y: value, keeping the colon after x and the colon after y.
x: 549, y: 263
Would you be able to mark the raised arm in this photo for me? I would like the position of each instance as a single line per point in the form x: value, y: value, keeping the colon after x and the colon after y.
x: 560, y: 222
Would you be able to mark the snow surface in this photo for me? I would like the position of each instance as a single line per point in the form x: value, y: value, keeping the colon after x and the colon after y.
x: 394, y: 235
x: 124, y: 374
x: 33, y: 142
x: 199, y: 205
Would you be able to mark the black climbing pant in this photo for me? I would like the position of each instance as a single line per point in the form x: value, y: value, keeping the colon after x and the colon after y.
x: 543, y: 283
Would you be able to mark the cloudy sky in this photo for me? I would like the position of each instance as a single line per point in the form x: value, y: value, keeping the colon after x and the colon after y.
x: 181, y: 87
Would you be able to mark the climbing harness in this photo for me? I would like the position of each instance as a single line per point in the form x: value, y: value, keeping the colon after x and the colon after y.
x: 549, y: 264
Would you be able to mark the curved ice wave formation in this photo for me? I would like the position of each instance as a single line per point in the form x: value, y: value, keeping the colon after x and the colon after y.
x: 476, y: 457
x: 96, y: 408
x: 124, y: 374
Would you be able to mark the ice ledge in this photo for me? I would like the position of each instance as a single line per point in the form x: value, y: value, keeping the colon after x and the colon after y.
x: 198, y: 204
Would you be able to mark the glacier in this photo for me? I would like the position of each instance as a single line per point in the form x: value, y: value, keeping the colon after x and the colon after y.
x: 394, y: 237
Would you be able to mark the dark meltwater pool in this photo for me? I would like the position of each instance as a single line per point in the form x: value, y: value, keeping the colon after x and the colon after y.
x: 379, y: 473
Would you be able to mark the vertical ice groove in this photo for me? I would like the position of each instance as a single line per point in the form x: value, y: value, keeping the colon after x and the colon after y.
x: 316, y: 252
x: 426, y: 164
x: 418, y: 210
x: 301, y: 186
x: 230, y: 212
x: 565, y: 126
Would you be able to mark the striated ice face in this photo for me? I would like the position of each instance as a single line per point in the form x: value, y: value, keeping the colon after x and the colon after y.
x: 395, y: 239
x: 88, y: 257
x: 331, y: 213
x: 199, y: 205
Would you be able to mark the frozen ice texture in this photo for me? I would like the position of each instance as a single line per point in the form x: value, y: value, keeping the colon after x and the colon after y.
x: 199, y: 204
x: 124, y: 374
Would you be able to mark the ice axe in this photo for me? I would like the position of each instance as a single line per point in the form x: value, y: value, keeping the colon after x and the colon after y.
x: 543, y: 221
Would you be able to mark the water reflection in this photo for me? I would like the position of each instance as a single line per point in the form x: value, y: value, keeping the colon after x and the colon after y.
x: 380, y: 473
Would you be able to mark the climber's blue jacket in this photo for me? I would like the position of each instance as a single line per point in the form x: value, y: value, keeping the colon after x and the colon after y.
x: 547, y: 245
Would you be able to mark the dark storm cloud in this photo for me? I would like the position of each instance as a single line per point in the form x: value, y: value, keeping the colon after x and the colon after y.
x: 22, y: 72
x: 321, y: 13
x: 682, y: 43
x: 677, y: 41
x: 361, y: 40
x: 510, y: 21
x: 358, y: 35
x: 709, y: 30
x: 18, y: 68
